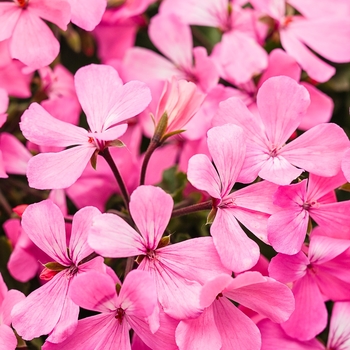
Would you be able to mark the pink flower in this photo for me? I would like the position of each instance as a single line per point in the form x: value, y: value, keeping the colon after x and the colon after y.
x: 44, y: 224
x: 281, y: 103
x: 107, y: 104
x: 251, y: 206
x: 136, y: 301
x: 177, y: 286
x: 222, y: 325
x: 320, y: 275
x: 313, y: 198
x: 8, y: 299
x: 31, y: 40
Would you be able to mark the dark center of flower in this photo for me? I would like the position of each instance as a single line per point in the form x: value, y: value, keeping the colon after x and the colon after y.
x: 22, y: 3
x: 220, y: 295
x: 120, y: 315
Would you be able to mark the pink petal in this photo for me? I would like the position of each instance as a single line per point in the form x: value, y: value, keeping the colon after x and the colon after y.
x: 200, y: 333
x: 203, y: 176
x: 87, y: 14
x: 287, y: 230
x: 273, y: 337
x: 111, y: 236
x: 58, y: 170
x: 12, y: 297
x: 38, y: 126
x: 44, y: 224
x: 237, y: 252
x: 94, y: 291
x: 33, y: 43
x: 138, y: 296
x: 227, y: 147
x: 151, y: 218
x: 30, y: 316
x: 339, y: 332
x: 288, y: 268
x: 345, y: 165
x: 8, y: 339
x: 82, y: 222
x: 320, y: 158
x: 9, y: 15
x: 173, y: 39
x: 315, y: 67
x: 281, y: 102
x: 254, y: 291
x: 320, y: 109
x: 310, y: 315
x: 237, y: 331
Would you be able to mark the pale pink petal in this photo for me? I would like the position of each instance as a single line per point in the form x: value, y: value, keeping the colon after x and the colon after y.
x: 237, y: 331
x: 326, y: 36
x: 14, y: 153
x: 309, y: 10
x: 8, y: 339
x: 282, y: 102
x: 339, y: 332
x: 67, y: 322
x: 202, y: 175
x: 279, y: 170
x: 111, y: 236
x: 320, y: 158
x: 280, y: 63
x: 58, y: 170
x: 314, y: 66
x: 9, y: 15
x: 44, y: 224
x: 200, y: 333
x: 173, y: 39
x: 287, y: 230
x: 320, y: 109
x: 310, y: 315
x: 12, y: 297
x: 333, y: 217
x: 33, y: 49
x: 143, y: 64
x: 227, y: 147
x: 31, y: 318
x: 151, y: 209
x: 87, y: 14
x: 288, y: 268
x: 82, y: 222
x: 275, y: 9
x: 345, y: 165
x: 57, y: 12
x: 172, y: 289
x: 273, y: 337
x: 38, y: 126
x: 104, y: 332
x: 254, y: 291
x: 94, y: 291
x: 240, y: 56
x: 237, y: 252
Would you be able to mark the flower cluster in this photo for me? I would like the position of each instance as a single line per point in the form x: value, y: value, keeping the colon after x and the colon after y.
x: 188, y: 197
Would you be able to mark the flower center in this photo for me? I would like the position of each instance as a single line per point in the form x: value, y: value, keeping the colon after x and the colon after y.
x: 310, y: 204
x: 99, y: 144
x: 120, y: 315
x: 22, y: 3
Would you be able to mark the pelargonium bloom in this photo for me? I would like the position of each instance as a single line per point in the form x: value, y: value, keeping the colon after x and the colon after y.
x: 222, y: 325
x: 282, y: 103
x: 107, y: 104
x: 45, y: 226
x: 178, y: 287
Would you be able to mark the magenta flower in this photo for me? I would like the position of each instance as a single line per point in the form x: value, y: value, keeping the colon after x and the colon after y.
x: 44, y: 224
x: 136, y: 301
x: 30, y: 39
x: 177, y: 286
x: 222, y: 325
x: 107, y: 104
x: 251, y: 206
x: 8, y: 299
x: 320, y: 275
x: 313, y: 198
x: 281, y: 103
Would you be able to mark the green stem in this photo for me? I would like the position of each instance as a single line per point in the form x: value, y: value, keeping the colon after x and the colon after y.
x: 192, y: 209
x: 125, y: 194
